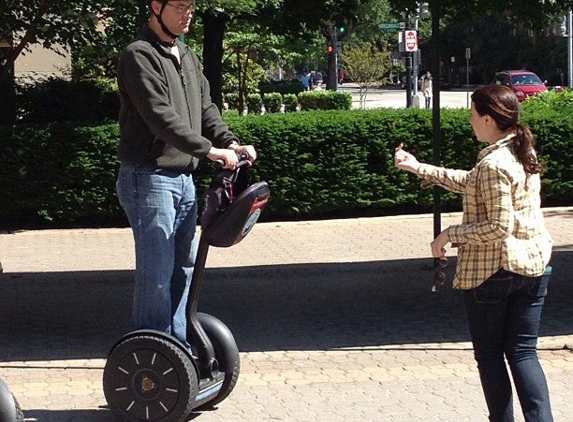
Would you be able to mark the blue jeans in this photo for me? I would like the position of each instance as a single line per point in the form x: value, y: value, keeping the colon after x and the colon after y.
x: 428, y: 101
x: 503, y: 315
x: 162, y: 210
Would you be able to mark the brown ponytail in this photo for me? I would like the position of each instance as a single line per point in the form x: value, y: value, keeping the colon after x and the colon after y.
x: 524, y: 147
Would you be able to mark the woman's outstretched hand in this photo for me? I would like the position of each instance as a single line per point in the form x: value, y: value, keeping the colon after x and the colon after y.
x: 404, y: 160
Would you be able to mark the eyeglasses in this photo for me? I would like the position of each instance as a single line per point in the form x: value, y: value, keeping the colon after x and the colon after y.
x: 439, y: 275
x: 182, y: 8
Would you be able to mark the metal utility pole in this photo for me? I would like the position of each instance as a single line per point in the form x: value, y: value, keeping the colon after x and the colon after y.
x: 570, y: 49
x: 408, y: 46
x: 331, y: 33
x: 435, y: 9
x: 334, y: 80
x: 408, y: 60
x: 468, y: 57
x: 415, y: 60
x: 421, y: 12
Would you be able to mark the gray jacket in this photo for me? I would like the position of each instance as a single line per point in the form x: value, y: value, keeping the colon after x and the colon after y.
x: 166, y: 119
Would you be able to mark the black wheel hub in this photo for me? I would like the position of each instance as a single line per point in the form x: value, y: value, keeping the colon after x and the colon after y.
x: 146, y: 384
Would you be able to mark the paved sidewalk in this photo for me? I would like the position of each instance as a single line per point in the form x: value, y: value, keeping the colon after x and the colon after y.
x: 334, y: 319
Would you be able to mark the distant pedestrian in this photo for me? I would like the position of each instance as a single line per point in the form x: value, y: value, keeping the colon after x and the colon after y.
x: 305, y: 81
x: 426, y: 87
x: 311, y: 80
x: 319, y: 79
x: 503, y: 252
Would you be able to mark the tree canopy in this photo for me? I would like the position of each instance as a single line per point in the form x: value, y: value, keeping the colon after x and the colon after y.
x: 51, y: 23
x: 94, y: 29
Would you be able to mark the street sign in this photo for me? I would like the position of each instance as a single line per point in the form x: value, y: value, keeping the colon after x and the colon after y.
x: 410, y: 41
x: 391, y: 26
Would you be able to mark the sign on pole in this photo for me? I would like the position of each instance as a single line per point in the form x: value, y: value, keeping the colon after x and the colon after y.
x: 410, y: 41
x: 391, y: 26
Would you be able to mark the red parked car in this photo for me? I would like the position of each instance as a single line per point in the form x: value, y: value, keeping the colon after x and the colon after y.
x: 524, y: 83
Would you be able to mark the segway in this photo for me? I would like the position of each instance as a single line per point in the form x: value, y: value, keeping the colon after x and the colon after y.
x: 9, y: 408
x: 152, y: 376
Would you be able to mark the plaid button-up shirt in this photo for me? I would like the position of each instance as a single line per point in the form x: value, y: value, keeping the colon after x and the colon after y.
x: 502, y: 225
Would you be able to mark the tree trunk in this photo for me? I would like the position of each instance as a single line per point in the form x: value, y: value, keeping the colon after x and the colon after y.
x: 8, y: 103
x: 240, y: 82
x: 332, y: 79
x: 214, y: 30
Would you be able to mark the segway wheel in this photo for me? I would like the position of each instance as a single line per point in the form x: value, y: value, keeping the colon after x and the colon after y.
x: 149, y: 378
x: 9, y: 408
x: 226, y: 353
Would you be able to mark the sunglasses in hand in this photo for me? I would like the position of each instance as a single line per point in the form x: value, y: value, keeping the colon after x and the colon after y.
x: 439, y: 274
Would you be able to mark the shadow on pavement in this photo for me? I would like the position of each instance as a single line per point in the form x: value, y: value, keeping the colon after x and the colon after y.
x: 79, y: 315
x: 101, y: 415
x: 68, y: 415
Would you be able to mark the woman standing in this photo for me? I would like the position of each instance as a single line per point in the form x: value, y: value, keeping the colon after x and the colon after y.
x: 504, y: 249
x: 426, y: 85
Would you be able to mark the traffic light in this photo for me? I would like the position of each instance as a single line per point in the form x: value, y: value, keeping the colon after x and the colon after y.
x: 330, y: 48
x: 341, y: 30
x: 423, y: 10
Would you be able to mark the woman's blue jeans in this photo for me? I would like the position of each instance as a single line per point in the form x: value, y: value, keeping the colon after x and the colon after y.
x: 503, y: 315
x: 162, y: 210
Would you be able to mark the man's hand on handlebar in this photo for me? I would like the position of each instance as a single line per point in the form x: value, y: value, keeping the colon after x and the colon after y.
x: 229, y: 157
x: 249, y: 150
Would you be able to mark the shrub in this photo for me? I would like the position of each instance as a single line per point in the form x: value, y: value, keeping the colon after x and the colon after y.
x: 8, y: 103
x: 283, y: 87
x: 550, y: 116
x: 254, y: 103
x: 272, y: 102
x: 232, y: 100
x: 59, y: 172
x: 291, y: 102
x: 325, y: 100
x: 58, y: 100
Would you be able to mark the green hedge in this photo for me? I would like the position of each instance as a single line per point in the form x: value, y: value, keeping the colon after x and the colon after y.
x: 58, y: 173
x: 551, y: 118
x: 283, y: 87
x: 58, y: 100
x: 318, y: 163
x: 324, y: 163
x: 325, y: 100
